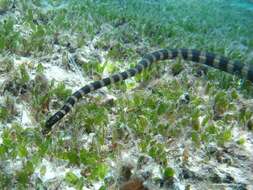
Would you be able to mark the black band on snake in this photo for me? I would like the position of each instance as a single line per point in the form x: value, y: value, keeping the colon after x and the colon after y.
x: 209, y: 59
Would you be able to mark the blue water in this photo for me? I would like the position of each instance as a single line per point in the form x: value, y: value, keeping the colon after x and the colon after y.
x: 243, y: 4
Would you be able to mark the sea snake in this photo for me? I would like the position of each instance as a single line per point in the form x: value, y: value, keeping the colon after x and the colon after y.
x: 206, y: 58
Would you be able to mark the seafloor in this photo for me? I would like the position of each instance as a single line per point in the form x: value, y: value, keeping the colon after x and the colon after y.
x: 178, y: 125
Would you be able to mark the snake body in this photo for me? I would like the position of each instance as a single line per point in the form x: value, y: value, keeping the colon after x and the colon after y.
x: 206, y: 58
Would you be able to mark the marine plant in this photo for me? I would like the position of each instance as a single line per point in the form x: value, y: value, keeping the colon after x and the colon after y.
x: 9, y: 37
x: 150, y: 110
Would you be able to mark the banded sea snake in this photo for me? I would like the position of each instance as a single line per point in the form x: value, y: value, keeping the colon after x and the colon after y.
x: 206, y: 58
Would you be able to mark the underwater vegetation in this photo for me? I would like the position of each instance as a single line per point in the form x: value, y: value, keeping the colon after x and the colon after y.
x: 177, y: 125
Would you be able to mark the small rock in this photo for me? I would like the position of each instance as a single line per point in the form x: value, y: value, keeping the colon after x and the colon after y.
x: 218, y: 177
x: 133, y: 184
x: 184, y: 98
x: 188, y: 174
